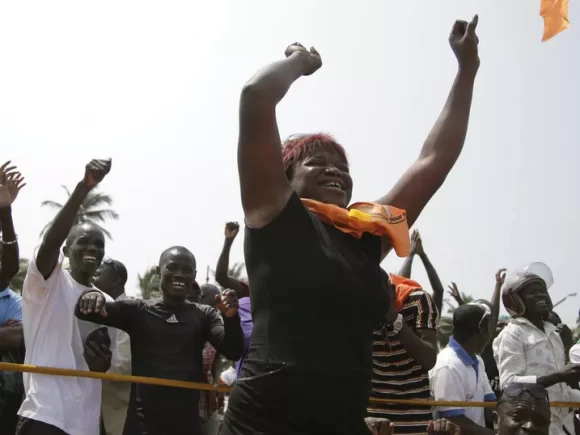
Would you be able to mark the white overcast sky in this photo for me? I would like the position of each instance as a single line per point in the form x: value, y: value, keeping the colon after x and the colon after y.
x: 155, y: 86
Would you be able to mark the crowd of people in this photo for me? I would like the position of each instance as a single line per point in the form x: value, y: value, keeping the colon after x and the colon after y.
x: 281, y: 338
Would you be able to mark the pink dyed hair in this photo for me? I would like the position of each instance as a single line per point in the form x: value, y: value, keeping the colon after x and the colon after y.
x: 299, y: 147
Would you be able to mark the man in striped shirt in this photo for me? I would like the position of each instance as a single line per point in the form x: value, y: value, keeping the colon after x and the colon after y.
x: 404, y: 350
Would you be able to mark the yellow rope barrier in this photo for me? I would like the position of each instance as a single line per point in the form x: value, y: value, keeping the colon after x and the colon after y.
x: 25, y: 368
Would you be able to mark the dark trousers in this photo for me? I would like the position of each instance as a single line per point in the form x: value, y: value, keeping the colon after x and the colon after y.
x: 27, y: 426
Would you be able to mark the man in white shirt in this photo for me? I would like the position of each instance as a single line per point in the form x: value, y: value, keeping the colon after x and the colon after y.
x: 459, y: 374
x: 53, y: 336
x: 111, y: 278
x: 529, y: 349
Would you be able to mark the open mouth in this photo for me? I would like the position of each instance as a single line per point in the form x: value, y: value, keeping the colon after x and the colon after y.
x: 89, y: 259
x: 178, y: 284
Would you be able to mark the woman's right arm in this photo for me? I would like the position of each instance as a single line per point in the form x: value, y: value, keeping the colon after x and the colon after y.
x: 265, y: 189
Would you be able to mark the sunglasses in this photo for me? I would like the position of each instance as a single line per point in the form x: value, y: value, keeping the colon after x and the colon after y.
x: 516, y: 389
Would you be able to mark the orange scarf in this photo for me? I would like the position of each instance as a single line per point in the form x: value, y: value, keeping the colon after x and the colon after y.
x: 555, y: 15
x: 403, y: 288
x: 366, y: 217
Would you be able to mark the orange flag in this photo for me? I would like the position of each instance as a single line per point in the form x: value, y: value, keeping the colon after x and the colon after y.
x: 555, y: 14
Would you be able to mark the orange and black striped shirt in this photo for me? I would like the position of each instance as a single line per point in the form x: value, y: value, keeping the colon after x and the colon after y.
x: 396, y: 375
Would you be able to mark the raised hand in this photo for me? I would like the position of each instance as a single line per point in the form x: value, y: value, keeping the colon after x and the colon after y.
x: 11, y: 181
x: 443, y: 427
x: 95, y: 171
x: 463, y: 40
x: 227, y: 303
x: 454, y: 292
x: 231, y: 231
x: 312, y: 58
x: 417, y: 243
x: 500, y: 276
x: 93, y: 302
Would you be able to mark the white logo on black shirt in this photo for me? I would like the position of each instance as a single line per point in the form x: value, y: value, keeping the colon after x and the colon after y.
x: 172, y: 319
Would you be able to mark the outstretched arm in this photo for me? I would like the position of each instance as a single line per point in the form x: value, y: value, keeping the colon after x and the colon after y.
x: 92, y: 306
x: 264, y: 187
x: 434, y: 280
x: 48, y: 253
x: 223, y: 265
x: 445, y: 141
x: 11, y: 181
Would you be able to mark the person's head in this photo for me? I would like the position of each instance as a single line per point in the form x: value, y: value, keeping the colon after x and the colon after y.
x: 525, y: 292
x: 317, y: 168
x: 528, y: 298
x: 522, y: 409
x: 111, y: 277
x: 472, y: 326
x: 194, y: 295
x: 177, y: 271
x: 208, y: 294
x: 85, y: 249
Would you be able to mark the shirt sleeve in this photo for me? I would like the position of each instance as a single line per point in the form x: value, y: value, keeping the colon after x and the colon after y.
x: 488, y: 394
x: 225, y: 335
x: 120, y: 314
x: 426, y: 312
x: 35, y: 287
x: 575, y: 354
x: 509, y: 354
x: 446, y: 384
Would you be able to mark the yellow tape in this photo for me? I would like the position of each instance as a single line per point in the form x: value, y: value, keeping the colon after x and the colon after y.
x: 25, y: 368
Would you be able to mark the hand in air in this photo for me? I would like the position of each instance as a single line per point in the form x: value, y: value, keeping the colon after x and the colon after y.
x: 227, y: 303
x: 500, y: 276
x: 416, y: 243
x: 93, y: 303
x: 454, y: 292
x: 312, y: 59
x: 231, y: 231
x: 443, y: 427
x: 11, y: 181
x: 379, y: 426
x: 95, y: 171
x: 463, y: 40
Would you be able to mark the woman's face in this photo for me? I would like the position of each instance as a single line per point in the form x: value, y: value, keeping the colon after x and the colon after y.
x: 323, y: 177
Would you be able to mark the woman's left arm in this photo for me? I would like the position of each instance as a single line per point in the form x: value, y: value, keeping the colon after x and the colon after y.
x: 445, y: 141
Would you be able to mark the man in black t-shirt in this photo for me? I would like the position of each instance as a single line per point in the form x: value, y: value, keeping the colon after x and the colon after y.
x: 167, y: 339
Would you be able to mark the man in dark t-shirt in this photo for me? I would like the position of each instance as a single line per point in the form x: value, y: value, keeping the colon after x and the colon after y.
x: 167, y: 339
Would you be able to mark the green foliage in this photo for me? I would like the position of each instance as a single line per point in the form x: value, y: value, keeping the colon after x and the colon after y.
x: 93, y: 210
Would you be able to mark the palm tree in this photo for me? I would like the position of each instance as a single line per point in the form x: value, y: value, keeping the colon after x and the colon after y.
x: 445, y: 325
x: 149, y: 283
x: 91, y: 210
x: 18, y: 280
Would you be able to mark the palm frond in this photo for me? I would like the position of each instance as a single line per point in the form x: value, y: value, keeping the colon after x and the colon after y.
x: 51, y: 204
x: 100, y: 215
x: 66, y: 189
x: 95, y: 199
